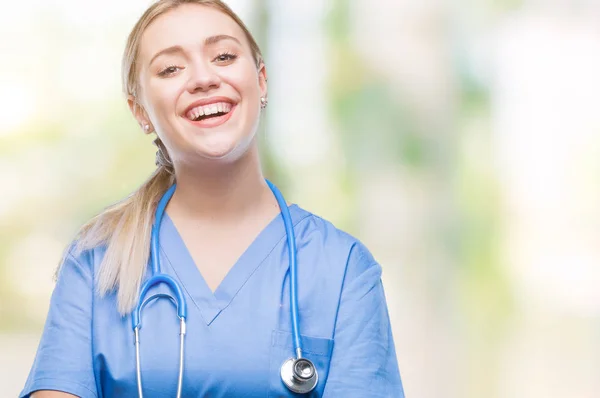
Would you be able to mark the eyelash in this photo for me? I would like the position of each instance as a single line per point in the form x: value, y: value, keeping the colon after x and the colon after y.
x: 165, y: 72
x: 229, y: 57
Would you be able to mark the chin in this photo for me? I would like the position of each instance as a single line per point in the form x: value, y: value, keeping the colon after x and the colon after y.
x: 225, y: 150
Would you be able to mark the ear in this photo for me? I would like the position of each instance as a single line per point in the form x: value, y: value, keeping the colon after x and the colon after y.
x: 139, y: 114
x: 262, y: 80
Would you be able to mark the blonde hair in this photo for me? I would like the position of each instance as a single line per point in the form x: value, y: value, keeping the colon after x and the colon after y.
x: 124, y: 228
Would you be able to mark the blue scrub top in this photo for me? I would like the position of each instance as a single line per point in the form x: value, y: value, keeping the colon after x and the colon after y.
x: 237, y: 337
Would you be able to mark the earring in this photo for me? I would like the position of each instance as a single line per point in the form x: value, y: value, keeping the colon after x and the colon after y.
x: 147, y: 128
x: 263, y: 102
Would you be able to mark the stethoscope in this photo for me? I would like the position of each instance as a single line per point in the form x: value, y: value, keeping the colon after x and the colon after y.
x: 297, y: 373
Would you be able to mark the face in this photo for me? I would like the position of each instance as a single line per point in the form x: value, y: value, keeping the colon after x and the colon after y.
x: 199, y: 86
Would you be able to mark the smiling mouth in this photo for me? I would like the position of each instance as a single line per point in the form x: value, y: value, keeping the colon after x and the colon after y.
x: 211, y: 115
x: 210, y: 111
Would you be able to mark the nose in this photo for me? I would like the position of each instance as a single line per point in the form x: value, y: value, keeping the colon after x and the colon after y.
x: 203, y: 77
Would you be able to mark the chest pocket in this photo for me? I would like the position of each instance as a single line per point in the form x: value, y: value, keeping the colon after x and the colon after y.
x: 317, y: 349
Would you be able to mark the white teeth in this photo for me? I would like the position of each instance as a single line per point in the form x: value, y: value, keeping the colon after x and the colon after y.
x: 197, y: 113
x: 222, y: 107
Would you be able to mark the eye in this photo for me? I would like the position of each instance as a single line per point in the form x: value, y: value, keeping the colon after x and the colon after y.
x: 169, y: 70
x: 225, y: 57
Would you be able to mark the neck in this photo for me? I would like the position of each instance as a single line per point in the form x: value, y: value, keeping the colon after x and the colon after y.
x: 223, y: 192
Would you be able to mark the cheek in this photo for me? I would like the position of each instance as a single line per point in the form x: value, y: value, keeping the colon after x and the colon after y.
x: 251, y: 103
x: 162, y: 99
x: 244, y: 78
x: 251, y: 93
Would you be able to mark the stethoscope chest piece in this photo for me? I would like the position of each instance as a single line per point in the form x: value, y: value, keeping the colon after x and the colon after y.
x: 299, y: 375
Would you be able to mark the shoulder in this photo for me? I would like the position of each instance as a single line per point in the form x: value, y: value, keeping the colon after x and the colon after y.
x: 342, y: 248
x: 81, y: 258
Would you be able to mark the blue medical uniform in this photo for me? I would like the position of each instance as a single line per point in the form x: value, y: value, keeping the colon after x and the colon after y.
x: 237, y: 337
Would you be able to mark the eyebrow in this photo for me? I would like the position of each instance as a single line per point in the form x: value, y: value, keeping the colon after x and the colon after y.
x: 209, y: 41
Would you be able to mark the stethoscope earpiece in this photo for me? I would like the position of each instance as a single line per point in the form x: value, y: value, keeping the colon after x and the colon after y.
x: 299, y: 375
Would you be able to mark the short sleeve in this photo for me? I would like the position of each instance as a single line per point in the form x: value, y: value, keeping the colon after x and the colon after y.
x: 364, y: 362
x: 63, y: 361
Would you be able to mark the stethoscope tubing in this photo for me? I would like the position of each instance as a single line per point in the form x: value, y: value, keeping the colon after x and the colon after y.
x: 291, y: 241
x: 158, y: 277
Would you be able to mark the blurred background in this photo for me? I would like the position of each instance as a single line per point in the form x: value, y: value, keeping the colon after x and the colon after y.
x: 459, y: 140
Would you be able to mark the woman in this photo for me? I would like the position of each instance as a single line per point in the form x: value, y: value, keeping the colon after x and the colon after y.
x: 194, y: 75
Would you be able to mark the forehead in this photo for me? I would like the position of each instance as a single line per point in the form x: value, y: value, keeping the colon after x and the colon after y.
x: 187, y: 26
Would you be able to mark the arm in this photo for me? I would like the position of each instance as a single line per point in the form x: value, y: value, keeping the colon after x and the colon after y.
x: 63, y: 364
x: 363, y: 362
x: 51, y: 394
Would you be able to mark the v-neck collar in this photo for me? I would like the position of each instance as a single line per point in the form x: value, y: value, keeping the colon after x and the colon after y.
x: 208, y: 303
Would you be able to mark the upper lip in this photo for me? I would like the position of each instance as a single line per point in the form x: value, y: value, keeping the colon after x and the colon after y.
x: 207, y: 101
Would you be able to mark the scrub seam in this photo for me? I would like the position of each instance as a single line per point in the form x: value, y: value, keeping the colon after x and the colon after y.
x: 65, y: 381
x: 337, y: 311
x: 249, y: 277
x: 98, y: 390
x: 183, y: 286
x: 93, y: 293
x: 263, y: 260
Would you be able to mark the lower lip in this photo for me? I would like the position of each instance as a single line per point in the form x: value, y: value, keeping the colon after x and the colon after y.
x: 213, y: 121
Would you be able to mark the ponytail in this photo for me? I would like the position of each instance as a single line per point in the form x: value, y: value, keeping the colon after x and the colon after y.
x: 125, y: 229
